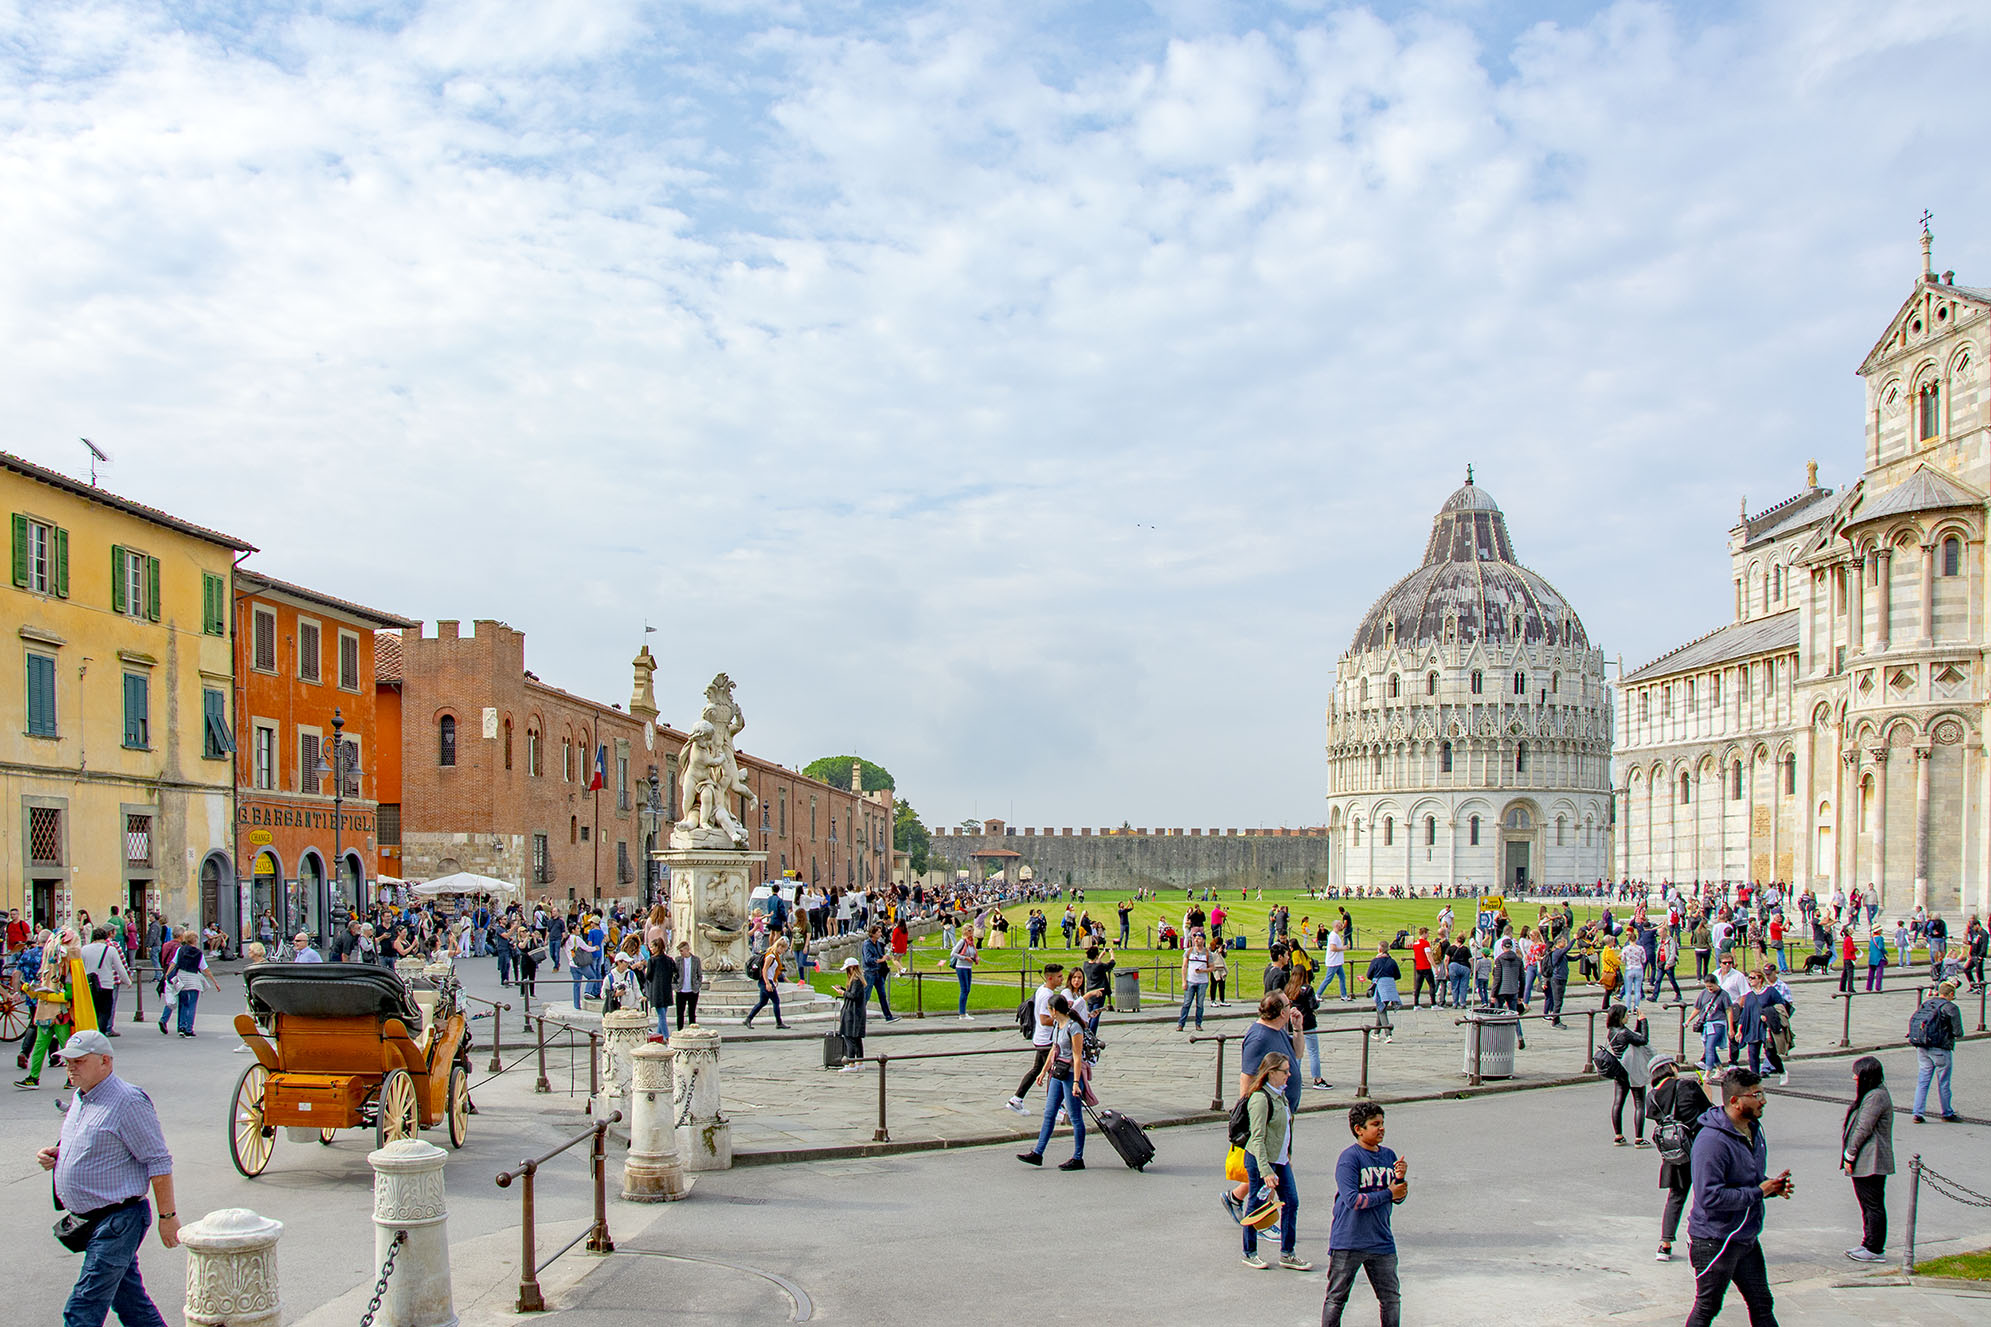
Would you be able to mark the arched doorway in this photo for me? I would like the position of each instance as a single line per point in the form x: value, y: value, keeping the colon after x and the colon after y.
x: 1517, y: 843
x: 266, y: 897
x: 219, y: 902
x: 307, y: 912
x: 351, y: 889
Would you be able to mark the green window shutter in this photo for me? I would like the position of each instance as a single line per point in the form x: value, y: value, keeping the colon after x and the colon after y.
x: 20, y: 549
x: 134, y: 710
x: 117, y: 578
x: 41, y: 696
x: 152, y: 589
x: 213, y: 618
x: 61, y: 563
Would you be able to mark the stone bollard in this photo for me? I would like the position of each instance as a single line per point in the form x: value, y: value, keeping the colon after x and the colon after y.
x: 232, y: 1269
x: 651, y: 1174
x: 704, y: 1138
x: 621, y: 1032
x: 408, y: 1196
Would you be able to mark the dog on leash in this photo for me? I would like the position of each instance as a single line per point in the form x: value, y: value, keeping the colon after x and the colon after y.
x: 1817, y: 963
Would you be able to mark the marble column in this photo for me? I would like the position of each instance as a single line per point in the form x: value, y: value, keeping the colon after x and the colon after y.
x: 1878, y: 875
x: 621, y: 1033
x: 1856, y: 605
x: 1921, y: 826
x: 1927, y: 635
x: 651, y: 1173
x: 408, y: 1197
x: 704, y: 1136
x: 232, y: 1270
x: 1846, y: 818
x: 1884, y: 560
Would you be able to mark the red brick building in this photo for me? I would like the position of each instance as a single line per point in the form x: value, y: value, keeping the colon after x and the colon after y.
x: 495, y: 767
x: 304, y: 669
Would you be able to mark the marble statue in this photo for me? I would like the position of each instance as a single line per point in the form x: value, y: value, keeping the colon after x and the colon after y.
x: 710, y: 776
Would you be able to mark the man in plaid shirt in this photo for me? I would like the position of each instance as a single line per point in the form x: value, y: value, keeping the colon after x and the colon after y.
x: 111, y: 1151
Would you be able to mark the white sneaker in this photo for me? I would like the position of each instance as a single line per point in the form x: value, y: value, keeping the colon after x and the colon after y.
x: 850, y: 1068
x: 1785, y: 1081
x: 967, y: 1018
x: 1015, y: 1104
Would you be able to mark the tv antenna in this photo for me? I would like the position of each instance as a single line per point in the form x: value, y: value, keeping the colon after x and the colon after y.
x: 97, y: 455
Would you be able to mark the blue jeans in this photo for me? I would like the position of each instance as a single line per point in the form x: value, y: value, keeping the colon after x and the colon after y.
x: 1714, y: 1035
x: 1459, y: 979
x: 878, y: 979
x: 109, y: 1279
x: 1634, y: 987
x: 1289, y: 1204
x: 768, y: 995
x: 579, y: 974
x: 966, y: 976
x: 1931, y: 1063
x: 1061, y: 1093
x: 185, y: 1002
x: 1192, y: 992
x: 1338, y: 974
x: 1313, y: 1055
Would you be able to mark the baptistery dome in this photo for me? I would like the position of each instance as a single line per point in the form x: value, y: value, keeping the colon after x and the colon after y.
x: 1469, y: 584
x: 1469, y: 734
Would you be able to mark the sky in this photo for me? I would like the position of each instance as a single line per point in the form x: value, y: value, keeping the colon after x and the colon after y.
x: 1028, y: 397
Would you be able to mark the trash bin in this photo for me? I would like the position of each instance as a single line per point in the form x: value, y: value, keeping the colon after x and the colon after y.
x: 1126, y: 990
x: 1495, y: 1031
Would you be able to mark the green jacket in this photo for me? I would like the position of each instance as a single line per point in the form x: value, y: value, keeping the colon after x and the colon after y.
x: 1271, y: 1117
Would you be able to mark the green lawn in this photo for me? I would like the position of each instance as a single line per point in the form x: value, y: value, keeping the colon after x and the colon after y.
x: 1964, y: 1266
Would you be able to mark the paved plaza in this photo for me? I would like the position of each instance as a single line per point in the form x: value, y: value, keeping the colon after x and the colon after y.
x: 1520, y: 1199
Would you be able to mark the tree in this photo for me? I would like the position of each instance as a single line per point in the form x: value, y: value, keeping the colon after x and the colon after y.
x: 835, y: 771
x: 969, y: 827
x: 910, y: 837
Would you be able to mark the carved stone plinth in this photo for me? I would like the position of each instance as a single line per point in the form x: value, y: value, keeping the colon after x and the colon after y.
x: 621, y: 1032
x: 408, y: 1196
x: 232, y: 1269
x: 704, y: 1137
x: 651, y: 1174
x: 709, y: 905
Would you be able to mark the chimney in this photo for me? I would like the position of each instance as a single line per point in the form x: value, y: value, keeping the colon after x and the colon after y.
x: 857, y: 774
x: 643, y: 697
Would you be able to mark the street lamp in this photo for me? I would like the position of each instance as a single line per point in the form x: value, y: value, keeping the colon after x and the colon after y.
x: 342, y: 764
x: 652, y: 818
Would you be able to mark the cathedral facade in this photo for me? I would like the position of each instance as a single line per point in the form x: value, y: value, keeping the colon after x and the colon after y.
x: 1469, y: 734
x: 1832, y: 733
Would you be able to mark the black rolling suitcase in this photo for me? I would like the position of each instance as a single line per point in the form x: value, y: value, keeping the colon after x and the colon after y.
x: 1129, y: 1139
x: 832, y: 1050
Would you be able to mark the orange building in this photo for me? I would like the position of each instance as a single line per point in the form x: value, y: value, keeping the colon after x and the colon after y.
x: 304, y: 672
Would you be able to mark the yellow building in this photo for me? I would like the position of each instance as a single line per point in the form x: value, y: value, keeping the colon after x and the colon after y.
x: 116, y: 772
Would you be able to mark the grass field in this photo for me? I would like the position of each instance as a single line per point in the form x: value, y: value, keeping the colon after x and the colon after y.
x: 1004, y: 974
x: 1964, y: 1266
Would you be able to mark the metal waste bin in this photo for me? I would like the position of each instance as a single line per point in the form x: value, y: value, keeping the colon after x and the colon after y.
x: 1126, y: 990
x: 1491, y: 1036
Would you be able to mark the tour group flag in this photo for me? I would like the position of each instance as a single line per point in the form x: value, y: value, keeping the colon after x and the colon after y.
x: 600, y: 778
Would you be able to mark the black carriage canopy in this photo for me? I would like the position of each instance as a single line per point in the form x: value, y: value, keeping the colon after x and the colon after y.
x: 329, y: 990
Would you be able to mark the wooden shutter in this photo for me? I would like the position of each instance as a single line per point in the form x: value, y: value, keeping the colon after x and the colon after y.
x: 20, y: 549
x: 307, y: 766
x: 117, y: 578
x: 214, y: 613
x: 134, y: 710
x: 152, y: 589
x: 41, y: 695
x: 61, y: 573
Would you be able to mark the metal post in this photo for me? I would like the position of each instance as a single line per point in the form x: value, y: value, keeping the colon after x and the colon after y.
x: 1217, y: 1092
x: 881, y: 1134
x: 1590, y: 1038
x: 529, y: 1298
x: 1680, y: 1053
x: 542, y: 1085
x: 1914, y: 1197
x: 919, y: 995
x: 497, y: 1037
x: 1362, y: 1088
x: 594, y: 1068
x: 1472, y: 1074
x: 1846, y: 1029
x: 1981, y: 986
x: 138, y: 989
x: 598, y: 1240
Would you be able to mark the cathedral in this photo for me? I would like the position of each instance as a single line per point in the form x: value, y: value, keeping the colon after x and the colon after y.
x: 1469, y: 735
x: 1832, y: 733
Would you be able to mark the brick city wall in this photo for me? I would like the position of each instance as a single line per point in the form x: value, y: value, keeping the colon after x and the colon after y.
x: 1172, y: 858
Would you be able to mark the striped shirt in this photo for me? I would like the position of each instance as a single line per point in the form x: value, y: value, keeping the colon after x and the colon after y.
x: 112, y: 1147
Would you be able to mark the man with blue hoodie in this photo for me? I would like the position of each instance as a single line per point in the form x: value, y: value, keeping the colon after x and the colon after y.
x: 1731, y: 1163
x: 1369, y: 1181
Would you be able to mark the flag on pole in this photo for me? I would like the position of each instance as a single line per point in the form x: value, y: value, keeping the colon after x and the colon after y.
x: 600, y: 778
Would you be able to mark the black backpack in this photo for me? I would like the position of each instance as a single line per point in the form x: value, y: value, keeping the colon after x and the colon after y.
x: 1026, y: 1018
x: 1929, y: 1026
x: 1240, y: 1120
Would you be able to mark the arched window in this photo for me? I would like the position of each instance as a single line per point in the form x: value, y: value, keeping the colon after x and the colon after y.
x: 1555, y: 684
x: 1790, y: 775
x: 1477, y: 681
x: 1472, y: 831
x: 1393, y: 686
x: 1866, y: 804
x: 1364, y: 692
x: 573, y: 829
x: 1644, y: 706
x: 1520, y: 684
x: 1389, y: 831
x: 1928, y: 412
x: 1389, y: 634
x: 1430, y: 831
x: 532, y: 750
x: 1735, y: 782
x: 1431, y: 684
x: 1558, y: 831
x: 1379, y: 764
x: 1952, y: 556
x: 1357, y: 827
x: 446, y: 740
x: 1686, y: 789
x: 1521, y: 758
x: 508, y: 742
x: 1445, y: 758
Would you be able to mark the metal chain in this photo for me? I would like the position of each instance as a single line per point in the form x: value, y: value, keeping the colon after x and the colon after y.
x: 1953, y: 1191
x: 386, y: 1270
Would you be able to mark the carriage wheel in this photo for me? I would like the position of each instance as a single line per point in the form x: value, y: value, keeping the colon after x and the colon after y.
x: 13, y: 1016
x: 459, y: 1106
x: 325, y: 1137
x: 398, y: 1116
x: 250, y: 1140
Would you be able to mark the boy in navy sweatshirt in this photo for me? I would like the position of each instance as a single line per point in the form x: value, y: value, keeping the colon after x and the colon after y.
x: 1368, y: 1182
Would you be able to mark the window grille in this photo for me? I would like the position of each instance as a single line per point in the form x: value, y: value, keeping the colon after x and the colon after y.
x: 45, y: 835
x: 138, y: 840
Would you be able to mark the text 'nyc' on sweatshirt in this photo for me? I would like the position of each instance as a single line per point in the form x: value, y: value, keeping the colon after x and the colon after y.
x: 1362, y: 1181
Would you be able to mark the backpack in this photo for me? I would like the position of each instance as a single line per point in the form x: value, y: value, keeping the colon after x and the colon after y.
x: 1929, y: 1026
x: 1240, y: 1122
x: 1026, y: 1018
x: 1675, y: 1141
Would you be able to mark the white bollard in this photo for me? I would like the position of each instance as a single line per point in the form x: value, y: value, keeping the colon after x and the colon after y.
x: 704, y: 1137
x: 651, y: 1173
x: 232, y: 1269
x: 621, y: 1032
x: 408, y: 1197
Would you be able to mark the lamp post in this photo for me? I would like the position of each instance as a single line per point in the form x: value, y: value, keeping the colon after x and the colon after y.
x: 653, y: 826
x: 338, y: 768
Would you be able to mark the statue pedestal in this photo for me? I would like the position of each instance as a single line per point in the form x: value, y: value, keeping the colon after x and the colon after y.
x: 709, y: 906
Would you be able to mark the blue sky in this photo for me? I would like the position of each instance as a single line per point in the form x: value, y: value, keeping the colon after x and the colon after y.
x: 1031, y: 397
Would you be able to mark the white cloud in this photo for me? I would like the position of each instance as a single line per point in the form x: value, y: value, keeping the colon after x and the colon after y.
x: 1040, y: 405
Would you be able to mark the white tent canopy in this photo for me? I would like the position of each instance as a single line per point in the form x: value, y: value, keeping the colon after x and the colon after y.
x: 463, y: 882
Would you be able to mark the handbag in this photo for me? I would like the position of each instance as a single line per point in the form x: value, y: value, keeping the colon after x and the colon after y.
x: 537, y: 954
x: 1234, y: 1165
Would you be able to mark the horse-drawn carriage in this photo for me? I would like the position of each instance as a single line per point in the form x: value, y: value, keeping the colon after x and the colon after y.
x: 346, y: 1047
